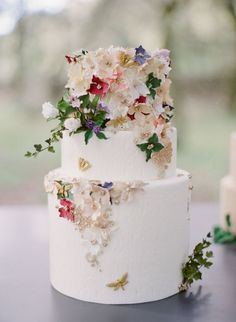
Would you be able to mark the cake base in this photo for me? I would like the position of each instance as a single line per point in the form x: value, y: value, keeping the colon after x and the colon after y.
x: 150, y: 244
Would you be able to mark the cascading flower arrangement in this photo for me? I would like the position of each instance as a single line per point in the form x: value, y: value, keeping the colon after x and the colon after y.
x: 113, y: 89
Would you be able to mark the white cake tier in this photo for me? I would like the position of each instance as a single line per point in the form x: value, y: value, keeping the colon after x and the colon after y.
x: 233, y: 156
x: 117, y: 158
x: 151, y: 243
x: 228, y: 203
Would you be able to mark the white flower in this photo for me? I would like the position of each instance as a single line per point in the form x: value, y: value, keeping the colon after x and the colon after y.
x: 118, y: 104
x: 72, y: 124
x: 77, y: 79
x: 49, y: 111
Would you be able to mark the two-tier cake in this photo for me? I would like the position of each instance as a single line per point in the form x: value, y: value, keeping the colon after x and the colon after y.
x: 119, y: 208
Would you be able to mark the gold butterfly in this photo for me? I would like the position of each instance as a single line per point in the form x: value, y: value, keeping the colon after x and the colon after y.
x: 119, y: 283
x: 62, y: 189
x: 119, y: 121
x: 84, y: 164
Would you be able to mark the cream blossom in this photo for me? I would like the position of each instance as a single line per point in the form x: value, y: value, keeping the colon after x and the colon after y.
x: 72, y: 124
x: 49, y: 111
x: 139, y: 108
x: 164, y: 92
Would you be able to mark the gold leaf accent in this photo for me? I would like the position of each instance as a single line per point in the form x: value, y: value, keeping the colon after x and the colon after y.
x: 119, y: 283
x: 126, y: 60
x: 84, y: 164
x: 119, y: 121
x: 163, y: 157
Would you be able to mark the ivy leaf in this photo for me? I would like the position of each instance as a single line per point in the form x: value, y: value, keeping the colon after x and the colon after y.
x: 192, y: 268
x: 87, y: 135
x: 28, y: 154
x: 38, y: 147
x: 51, y: 149
x: 101, y: 136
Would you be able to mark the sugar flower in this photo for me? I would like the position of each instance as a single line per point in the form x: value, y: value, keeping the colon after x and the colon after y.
x: 141, y: 55
x: 67, y: 209
x: 49, y: 111
x: 139, y: 108
x: 98, y: 87
x: 72, y: 124
x: 92, y: 125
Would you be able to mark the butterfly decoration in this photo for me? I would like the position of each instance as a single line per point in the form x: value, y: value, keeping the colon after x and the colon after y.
x: 63, y: 190
x: 119, y: 283
x: 84, y: 164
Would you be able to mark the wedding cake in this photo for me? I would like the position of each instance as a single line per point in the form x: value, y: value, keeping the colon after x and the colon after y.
x: 228, y: 193
x: 118, y: 207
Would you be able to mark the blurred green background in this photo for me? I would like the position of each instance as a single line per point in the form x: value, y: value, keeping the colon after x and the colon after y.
x: 35, y: 36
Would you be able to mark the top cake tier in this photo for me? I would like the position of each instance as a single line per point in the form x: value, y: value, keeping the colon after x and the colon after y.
x: 117, y: 90
x: 233, y: 155
x: 117, y: 158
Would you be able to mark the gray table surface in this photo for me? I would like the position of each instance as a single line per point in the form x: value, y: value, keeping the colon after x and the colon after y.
x: 26, y: 294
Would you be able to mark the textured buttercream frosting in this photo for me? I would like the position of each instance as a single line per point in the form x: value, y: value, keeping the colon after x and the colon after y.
x: 116, y: 158
x: 149, y: 242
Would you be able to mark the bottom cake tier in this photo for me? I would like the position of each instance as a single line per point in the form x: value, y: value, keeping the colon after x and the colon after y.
x: 118, y: 242
x: 228, y: 204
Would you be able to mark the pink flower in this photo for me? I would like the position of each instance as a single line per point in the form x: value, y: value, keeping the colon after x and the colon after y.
x: 98, y: 87
x: 67, y: 209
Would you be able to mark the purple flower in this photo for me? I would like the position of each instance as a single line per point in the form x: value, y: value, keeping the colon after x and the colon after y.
x: 97, y: 129
x: 75, y: 102
x: 90, y: 124
x: 106, y: 185
x: 164, y: 53
x: 102, y: 107
x: 141, y: 55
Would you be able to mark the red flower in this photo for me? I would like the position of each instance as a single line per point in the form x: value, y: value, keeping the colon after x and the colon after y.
x: 98, y: 87
x: 67, y: 209
x: 141, y: 99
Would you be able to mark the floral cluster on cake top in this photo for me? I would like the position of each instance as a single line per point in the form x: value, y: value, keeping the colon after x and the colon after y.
x: 114, y: 89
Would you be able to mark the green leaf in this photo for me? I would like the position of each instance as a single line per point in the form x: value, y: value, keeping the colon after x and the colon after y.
x: 192, y: 268
x: 94, y: 102
x: 51, y: 149
x: 155, y: 82
x: 158, y: 147
x: 28, y: 154
x: 63, y: 105
x: 101, y: 136
x: 38, y: 147
x: 209, y: 254
x: 152, y: 83
x: 142, y: 147
x: 228, y: 220
x: 153, y: 139
x: 148, y: 155
x: 100, y: 117
x: 87, y: 135
x: 48, y: 141
x: 85, y: 100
